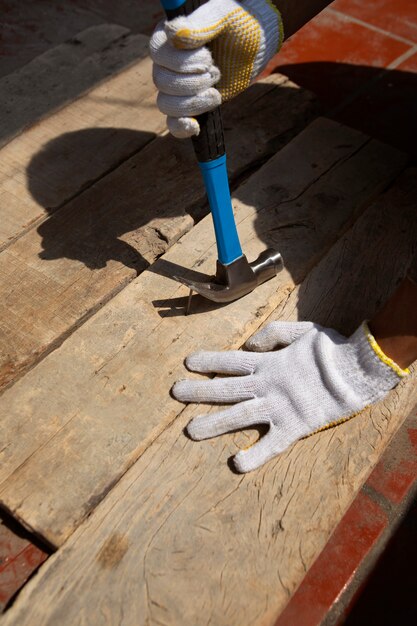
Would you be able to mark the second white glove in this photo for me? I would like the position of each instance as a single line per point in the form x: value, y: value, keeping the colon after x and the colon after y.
x: 319, y: 380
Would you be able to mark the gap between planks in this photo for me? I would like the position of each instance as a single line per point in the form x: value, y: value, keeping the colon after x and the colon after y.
x: 88, y: 411
x: 57, y: 275
x: 183, y: 540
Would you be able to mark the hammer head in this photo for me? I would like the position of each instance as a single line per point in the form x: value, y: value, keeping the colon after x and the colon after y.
x: 235, y: 280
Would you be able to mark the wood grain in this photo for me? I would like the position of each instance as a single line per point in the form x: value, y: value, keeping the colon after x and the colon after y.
x: 63, y: 73
x: 183, y: 540
x: 99, y: 241
x: 58, y: 157
x: 75, y: 423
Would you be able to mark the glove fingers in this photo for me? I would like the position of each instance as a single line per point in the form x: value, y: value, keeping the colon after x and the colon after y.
x: 278, y: 334
x: 175, y: 84
x: 227, y: 362
x: 183, y: 127
x: 202, y: 26
x: 165, y: 55
x: 189, y: 106
x: 222, y: 390
x: 241, y: 415
x: 262, y: 451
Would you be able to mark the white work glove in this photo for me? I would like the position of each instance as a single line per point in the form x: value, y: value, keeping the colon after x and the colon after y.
x: 319, y: 380
x: 244, y: 36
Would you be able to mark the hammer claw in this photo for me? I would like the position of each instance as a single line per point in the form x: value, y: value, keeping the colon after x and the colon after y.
x: 237, y: 279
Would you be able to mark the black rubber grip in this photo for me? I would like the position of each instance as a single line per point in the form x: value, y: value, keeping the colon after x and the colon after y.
x: 209, y: 144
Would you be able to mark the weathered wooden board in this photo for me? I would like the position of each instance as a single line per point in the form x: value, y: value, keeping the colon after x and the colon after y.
x: 64, y: 73
x: 55, y: 159
x: 139, y: 17
x: 93, y: 246
x: 75, y: 423
x: 182, y: 539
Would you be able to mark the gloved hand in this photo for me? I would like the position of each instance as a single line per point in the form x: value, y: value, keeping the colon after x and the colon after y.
x: 319, y: 380
x: 245, y: 36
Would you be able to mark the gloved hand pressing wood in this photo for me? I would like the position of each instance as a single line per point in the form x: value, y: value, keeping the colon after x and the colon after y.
x: 243, y: 37
x: 319, y: 379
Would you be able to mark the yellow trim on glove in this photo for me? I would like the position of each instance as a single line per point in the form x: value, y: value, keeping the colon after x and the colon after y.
x: 334, y: 423
x: 381, y: 355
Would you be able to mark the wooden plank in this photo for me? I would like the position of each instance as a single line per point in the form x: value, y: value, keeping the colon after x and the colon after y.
x: 91, y: 248
x: 140, y: 18
x: 58, y: 76
x: 93, y: 406
x: 55, y: 159
x: 182, y: 539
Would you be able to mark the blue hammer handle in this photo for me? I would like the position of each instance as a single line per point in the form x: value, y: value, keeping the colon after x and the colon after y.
x: 211, y: 156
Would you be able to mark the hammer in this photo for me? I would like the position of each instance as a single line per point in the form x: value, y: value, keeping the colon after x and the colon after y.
x: 235, y: 275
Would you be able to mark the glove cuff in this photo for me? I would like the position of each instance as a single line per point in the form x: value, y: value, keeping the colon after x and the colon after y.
x: 272, y: 31
x: 401, y: 373
x: 379, y: 373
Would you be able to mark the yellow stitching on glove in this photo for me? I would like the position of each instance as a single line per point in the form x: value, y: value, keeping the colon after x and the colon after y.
x: 381, y: 355
x: 234, y: 50
x: 341, y: 420
x: 192, y: 35
x: 242, y: 39
x: 335, y: 423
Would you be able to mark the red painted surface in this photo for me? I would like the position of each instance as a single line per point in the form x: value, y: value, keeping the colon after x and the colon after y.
x: 18, y: 560
x: 352, y: 540
x: 395, y: 16
x: 333, y: 57
x: 331, y: 37
x: 343, y: 63
x: 409, y: 65
x: 387, y: 596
